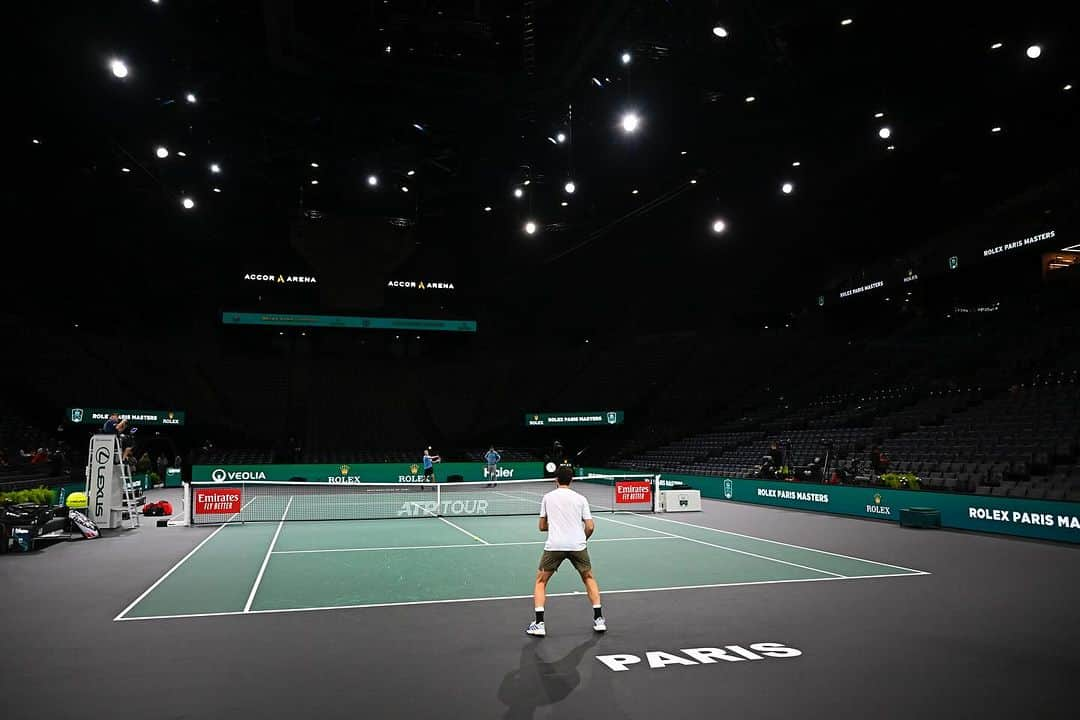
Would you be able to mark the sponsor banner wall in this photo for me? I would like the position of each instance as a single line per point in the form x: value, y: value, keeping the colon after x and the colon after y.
x: 355, y: 473
x: 1043, y: 519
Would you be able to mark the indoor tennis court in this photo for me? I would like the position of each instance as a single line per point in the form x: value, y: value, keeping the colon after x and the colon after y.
x: 294, y: 566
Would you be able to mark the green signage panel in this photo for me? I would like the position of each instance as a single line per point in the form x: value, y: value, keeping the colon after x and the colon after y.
x: 357, y: 473
x: 1044, y: 519
x: 98, y: 416
x: 577, y: 419
x: 347, y: 321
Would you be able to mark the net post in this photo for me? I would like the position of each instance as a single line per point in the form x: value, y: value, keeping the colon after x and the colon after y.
x: 243, y: 499
x: 656, y: 493
x: 189, y: 509
x: 438, y: 500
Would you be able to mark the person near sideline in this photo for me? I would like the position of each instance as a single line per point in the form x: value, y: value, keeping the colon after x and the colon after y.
x: 566, y: 518
x: 492, y: 459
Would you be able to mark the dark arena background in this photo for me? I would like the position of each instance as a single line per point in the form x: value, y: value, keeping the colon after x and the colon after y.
x: 791, y: 290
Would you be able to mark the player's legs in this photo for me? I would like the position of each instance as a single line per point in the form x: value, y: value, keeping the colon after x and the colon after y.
x: 591, y: 586
x: 540, y: 589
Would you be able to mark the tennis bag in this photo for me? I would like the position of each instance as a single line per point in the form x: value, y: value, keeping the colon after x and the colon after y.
x: 86, y: 526
x: 157, y: 509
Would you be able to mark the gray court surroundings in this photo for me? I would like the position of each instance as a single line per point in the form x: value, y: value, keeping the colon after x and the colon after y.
x: 989, y: 631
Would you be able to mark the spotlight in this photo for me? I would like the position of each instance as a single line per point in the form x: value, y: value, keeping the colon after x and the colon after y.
x: 884, y: 133
x: 996, y: 46
x: 217, y: 189
x: 38, y: 142
x: 682, y: 152
x: 1034, y: 51
x: 188, y: 203
x: 719, y: 226
x: 597, y: 83
x: 719, y: 31
x: 626, y: 58
x: 564, y: 203
x: 315, y: 165
x: 787, y: 188
x: 518, y: 192
x: 995, y: 129
x: 162, y: 152
x: 404, y: 189
x: 634, y: 191
x: 552, y: 140
x: 526, y: 183
x: 372, y: 180
x: 190, y: 97
x: 215, y: 168
x: 879, y: 115
x: 891, y: 148
x: 693, y: 181
x: 796, y: 164
x: 530, y: 227
x: 387, y: 49
x: 846, y: 21
x: 630, y: 122
x: 411, y: 173
x: 561, y: 137
x: 569, y: 187
x: 314, y: 182
x: 126, y: 170
x: 487, y: 208
x: 119, y: 68
x: 181, y: 153
x: 750, y: 98
x: 1066, y: 88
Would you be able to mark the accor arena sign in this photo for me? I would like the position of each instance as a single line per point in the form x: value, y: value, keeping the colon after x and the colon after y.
x: 419, y: 285
x: 280, y: 279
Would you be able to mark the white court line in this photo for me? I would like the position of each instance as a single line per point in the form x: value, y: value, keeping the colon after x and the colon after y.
x: 466, y: 545
x: 777, y: 542
x: 458, y: 527
x: 184, y: 559
x: 724, y: 547
x: 517, y: 597
x: 266, y: 560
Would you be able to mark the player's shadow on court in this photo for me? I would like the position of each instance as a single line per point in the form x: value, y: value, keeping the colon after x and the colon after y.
x: 538, y: 682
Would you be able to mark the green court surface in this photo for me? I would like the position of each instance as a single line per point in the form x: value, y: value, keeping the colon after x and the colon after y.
x: 313, y: 565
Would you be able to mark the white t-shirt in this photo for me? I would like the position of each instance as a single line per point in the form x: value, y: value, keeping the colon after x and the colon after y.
x: 565, y: 510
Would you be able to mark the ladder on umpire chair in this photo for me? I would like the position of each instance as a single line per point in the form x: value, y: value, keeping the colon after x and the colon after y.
x: 130, y: 499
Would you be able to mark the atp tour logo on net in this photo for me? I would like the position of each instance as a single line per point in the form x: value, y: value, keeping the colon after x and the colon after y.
x: 435, y: 508
x: 659, y: 659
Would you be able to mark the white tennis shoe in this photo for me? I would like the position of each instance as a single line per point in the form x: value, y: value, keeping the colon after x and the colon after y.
x: 537, y: 629
x: 599, y: 625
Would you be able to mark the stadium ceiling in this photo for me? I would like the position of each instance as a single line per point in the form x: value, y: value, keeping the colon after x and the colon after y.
x: 815, y: 135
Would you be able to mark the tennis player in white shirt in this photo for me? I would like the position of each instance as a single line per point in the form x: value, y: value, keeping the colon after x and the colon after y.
x: 565, y: 517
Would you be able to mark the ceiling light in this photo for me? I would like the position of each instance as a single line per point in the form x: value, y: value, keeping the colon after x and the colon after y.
x: 190, y: 97
x: 411, y: 173
x: 125, y: 169
x: 215, y: 168
x: 404, y: 189
x: 1034, y: 51
x: 552, y: 140
x: 787, y: 188
x: 891, y: 147
x: 314, y: 182
x: 569, y: 187
x: 884, y: 133
x: 879, y: 115
x: 38, y: 142
x: 188, y: 203
x: 418, y: 126
x: 846, y: 21
x: 996, y: 46
x: 181, y: 153
x: 564, y: 203
x: 372, y: 180
x: 314, y: 165
x: 682, y: 152
x: 995, y: 129
x: 518, y: 192
x: 719, y: 226
x: 719, y: 31
x: 119, y: 68
x: 561, y: 137
x: 634, y: 191
x: 750, y: 98
x: 487, y: 208
x: 1067, y: 87
x: 530, y: 227
x: 162, y: 152
x: 526, y: 182
x: 597, y: 83
x: 387, y: 49
x: 217, y: 190
x: 626, y: 58
x: 796, y: 164
x: 693, y: 182
x: 630, y: 122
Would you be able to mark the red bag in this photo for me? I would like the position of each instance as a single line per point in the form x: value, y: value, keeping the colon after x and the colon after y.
x: 166, y: 507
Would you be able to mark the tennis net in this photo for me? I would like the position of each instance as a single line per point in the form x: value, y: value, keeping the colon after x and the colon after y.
x: 268, y: 501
